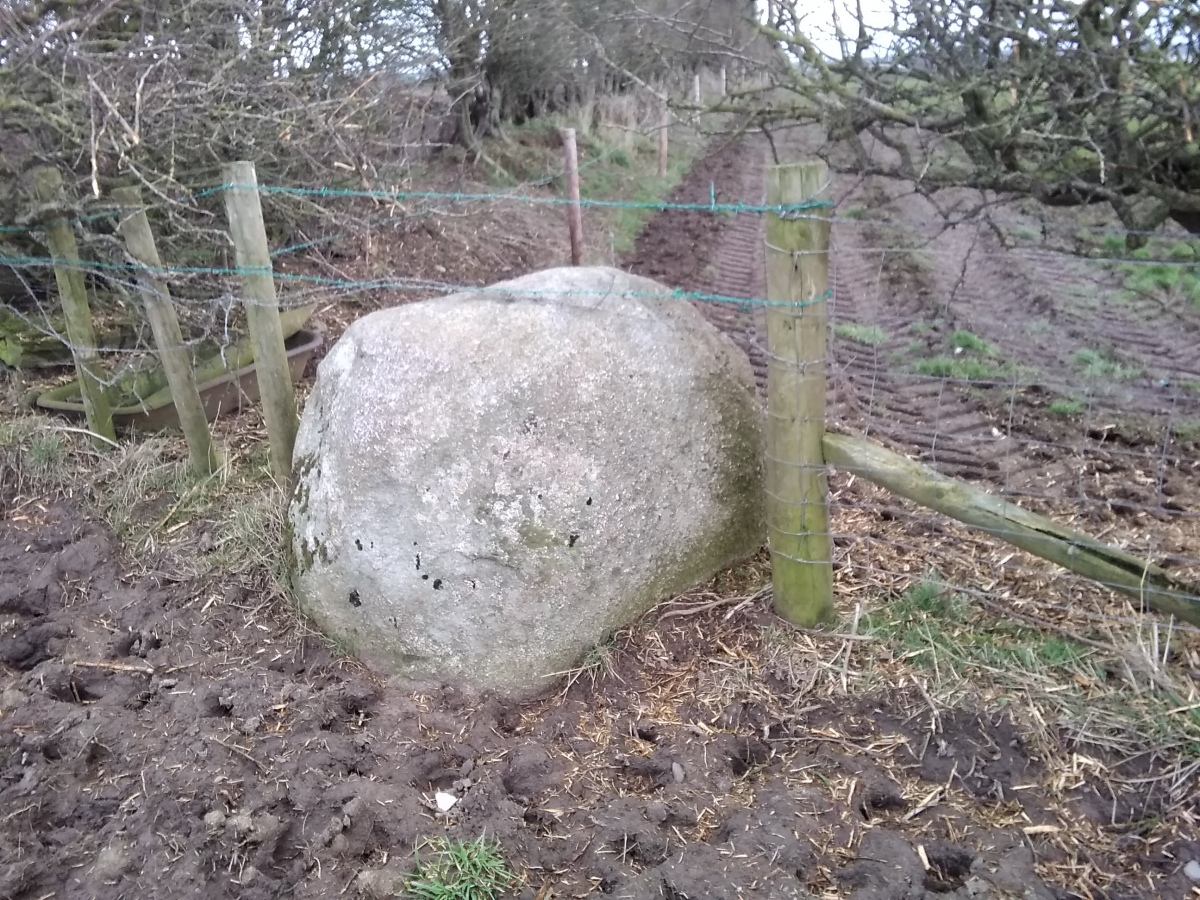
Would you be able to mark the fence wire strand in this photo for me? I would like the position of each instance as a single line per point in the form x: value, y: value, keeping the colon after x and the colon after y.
x: 918, y: 377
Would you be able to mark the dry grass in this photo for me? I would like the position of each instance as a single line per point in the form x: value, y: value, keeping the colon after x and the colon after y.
x: 1104, y: 698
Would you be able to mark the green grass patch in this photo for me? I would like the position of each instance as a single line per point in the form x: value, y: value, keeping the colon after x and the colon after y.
x: 1066, y: 406
x: 1102, y: 695
x: 964, y: 356
x: 964, y: 368
x: 1186, y: 431
x: 1162, y: 267
x: 611, y: 168
x: 459, y: 870
x: 966, y: 340
x: 1102, y: 366
x: 631, y: 174
x: 1038, y: 327
x: 936, y: 627
x: 47, y: 454
x: 870, y: 335
x: 40, y: 452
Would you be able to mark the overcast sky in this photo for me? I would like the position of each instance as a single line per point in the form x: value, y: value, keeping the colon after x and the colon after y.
x: 818, y: 19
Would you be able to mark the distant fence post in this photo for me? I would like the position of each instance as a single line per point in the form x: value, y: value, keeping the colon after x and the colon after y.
x: 48, y: 188
x: 134, y: 227
x: 797, y: 316
x: 724, y: 90
x: 262, y: 313
x: 664, y: 127
x: 696, y: 88
x: 574, y: 214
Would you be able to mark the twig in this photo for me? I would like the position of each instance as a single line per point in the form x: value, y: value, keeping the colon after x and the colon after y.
x: 238, y: 751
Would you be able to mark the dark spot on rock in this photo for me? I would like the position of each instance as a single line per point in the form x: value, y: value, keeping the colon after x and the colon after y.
x: 425, y: 577
x: 358, y: 543
x: 437, y: 584
x: 571, y: 539
x: 418, y: 562
x: 355, y: 600
x: 589, y: 501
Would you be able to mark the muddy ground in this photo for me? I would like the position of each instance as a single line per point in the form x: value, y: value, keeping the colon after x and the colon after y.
x: 166, y: 734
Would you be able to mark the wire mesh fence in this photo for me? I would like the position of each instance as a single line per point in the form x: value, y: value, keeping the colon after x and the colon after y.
x: 1047, y: 358
x: 1039, y: 359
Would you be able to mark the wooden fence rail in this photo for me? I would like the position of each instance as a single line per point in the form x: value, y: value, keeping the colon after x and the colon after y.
x: 799, y: 450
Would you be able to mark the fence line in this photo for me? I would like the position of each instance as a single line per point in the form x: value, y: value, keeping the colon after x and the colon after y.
x: 304, y: 288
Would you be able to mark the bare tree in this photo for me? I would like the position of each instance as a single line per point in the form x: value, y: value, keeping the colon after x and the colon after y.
x: 1069, y: 102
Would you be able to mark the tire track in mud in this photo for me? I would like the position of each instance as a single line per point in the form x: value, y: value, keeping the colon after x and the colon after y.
x: 942, y: 421
x: 713, y: 253
x: 1162, y: 340
x: 920, y: 414
x: 946, y: 278
x: 728, y: 258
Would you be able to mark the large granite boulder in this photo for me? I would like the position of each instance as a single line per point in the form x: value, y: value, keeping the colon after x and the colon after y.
x: 488, y: 483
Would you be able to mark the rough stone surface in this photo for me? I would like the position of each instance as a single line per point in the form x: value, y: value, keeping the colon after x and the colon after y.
x: 488, y: 483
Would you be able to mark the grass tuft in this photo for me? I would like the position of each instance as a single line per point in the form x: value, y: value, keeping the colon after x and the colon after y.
x: 1102, y: 366
x: 965, y: 369
x: 1066, y: 406
x: 870, y: 335
x: 966, y: 340
x: 459, y: 870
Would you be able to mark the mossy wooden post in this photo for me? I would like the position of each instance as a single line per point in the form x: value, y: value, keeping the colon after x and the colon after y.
x: 1111, y: 566
x: 797, y: 487
x: 262, y: 313
x: 574, y: 213
x: 134, y: 227
x: 48, y: 188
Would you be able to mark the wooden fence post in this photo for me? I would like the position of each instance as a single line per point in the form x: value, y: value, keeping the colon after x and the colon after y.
x: 797, y: 316
x: 262, y: 313
x: 134, y: 227
x: 574, y: 213
x: 48, y: 188
x: 696, y: 88
x: 724, y: 82
x: 664, y: 127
